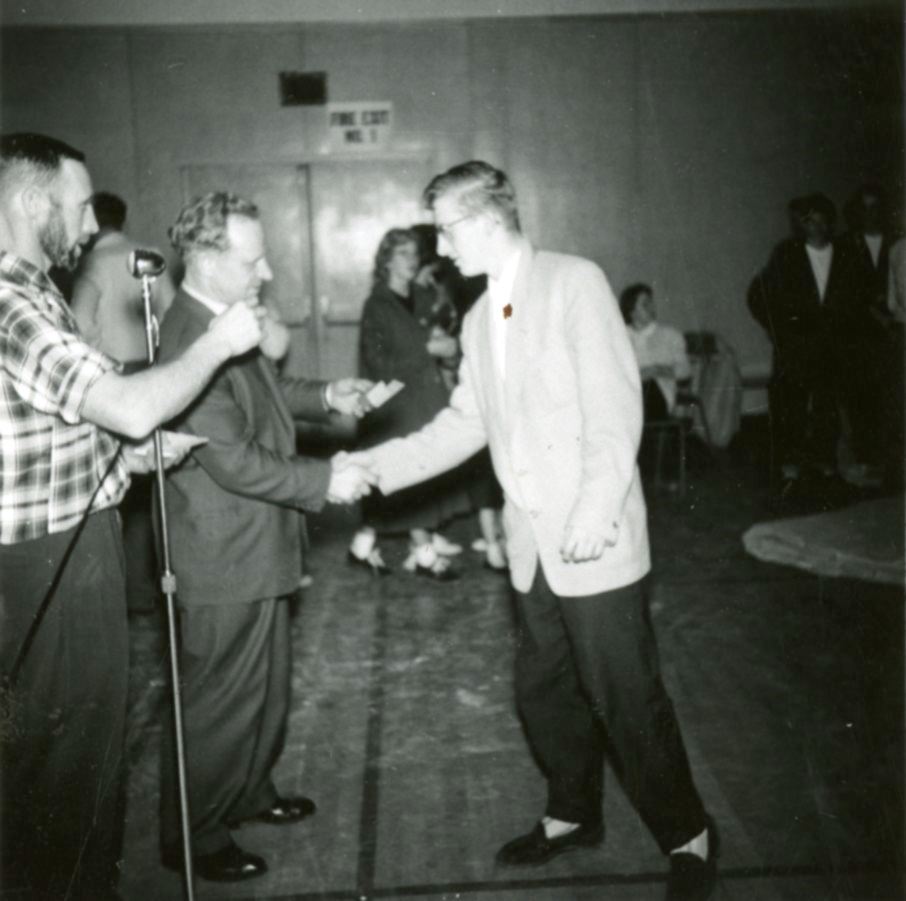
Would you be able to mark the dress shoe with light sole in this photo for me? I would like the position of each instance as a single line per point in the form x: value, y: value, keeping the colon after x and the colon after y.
x: 535, y: 848
x: 281, y: 813
x: 229, y: 864
x: 691, y: 878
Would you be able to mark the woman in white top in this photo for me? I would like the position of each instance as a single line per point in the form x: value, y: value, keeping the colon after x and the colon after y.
x: 659, y: 349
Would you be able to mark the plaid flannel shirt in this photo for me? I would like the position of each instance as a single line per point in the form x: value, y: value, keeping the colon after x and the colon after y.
x: 50, y: 459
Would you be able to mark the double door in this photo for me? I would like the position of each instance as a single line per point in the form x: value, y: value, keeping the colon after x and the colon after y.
x: 323, y: 222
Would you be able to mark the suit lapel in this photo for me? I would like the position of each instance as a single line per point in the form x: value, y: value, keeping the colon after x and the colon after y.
x: 237, y: 369
x: 270, y: 380
x: 517, y: 333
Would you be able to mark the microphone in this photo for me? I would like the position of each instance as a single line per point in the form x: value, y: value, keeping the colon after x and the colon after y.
x: 145, y: 263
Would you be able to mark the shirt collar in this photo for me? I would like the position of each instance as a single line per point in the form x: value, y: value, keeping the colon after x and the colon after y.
x: 25, y: 274
x: 500, y: 288
x: 215, y: 306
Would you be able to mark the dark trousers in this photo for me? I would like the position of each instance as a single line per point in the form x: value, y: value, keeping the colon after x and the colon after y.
x: 63, y: 724
x: 235, y: 664
x: 805, y: 420
x: 658, y: 442
x: 587, y: 673
x: 142, y: 570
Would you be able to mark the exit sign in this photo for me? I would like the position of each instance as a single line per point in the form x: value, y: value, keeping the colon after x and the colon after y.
x: 359, y: 126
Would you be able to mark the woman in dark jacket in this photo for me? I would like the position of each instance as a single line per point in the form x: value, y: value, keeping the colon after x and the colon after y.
x: 401, y: 339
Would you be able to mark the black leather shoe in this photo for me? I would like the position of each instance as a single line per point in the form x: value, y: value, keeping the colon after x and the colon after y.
x: 535, y: 847
x: 229, y: 864
x: 287, y: 810
x: 691, y: 878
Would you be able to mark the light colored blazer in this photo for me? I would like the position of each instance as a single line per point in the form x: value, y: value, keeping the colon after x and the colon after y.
x: 563, y: 428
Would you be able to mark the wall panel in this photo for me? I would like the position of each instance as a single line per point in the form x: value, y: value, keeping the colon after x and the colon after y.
x: 664, y: 147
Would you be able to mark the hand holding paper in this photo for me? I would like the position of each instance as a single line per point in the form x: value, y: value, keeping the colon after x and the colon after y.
x: 383, y: 391
x: 350, y: 396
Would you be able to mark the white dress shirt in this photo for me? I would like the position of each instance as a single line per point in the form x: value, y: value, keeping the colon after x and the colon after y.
x: 662, y: 345
x: 820, y: 259
x: 500, y: 293
x: 215, y: 306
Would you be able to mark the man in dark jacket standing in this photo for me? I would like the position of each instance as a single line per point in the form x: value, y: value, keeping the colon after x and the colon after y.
x: 799, y: 299
x: 236, y: 533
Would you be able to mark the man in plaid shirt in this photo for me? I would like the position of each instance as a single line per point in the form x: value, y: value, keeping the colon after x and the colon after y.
x: 69, y: 426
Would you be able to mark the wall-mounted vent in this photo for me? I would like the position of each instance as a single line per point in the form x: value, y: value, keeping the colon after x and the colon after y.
x: 303, y: 88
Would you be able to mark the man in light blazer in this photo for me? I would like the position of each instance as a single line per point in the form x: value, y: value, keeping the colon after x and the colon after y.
x: 549, y: 381
x: 235, y: 524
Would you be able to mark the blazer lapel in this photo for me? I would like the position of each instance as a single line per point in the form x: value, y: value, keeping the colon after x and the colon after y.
x: 270, y: 380
x: 517, y: 334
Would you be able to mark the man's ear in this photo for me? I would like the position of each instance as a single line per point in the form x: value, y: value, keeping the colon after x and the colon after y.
x: 35, y: 202
x: 491, y: 221
x: 203, y: 264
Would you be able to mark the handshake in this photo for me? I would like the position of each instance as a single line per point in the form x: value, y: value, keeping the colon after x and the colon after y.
x: 351, y: 477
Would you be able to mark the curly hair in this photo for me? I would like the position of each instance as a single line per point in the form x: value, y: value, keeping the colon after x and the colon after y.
x: 393, y: 239
x: 201, y: 223
x: 479, y: 187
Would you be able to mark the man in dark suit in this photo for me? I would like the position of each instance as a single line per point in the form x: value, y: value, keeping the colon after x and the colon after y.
x: 872, y: 403
x: 236, y: 533
x: 799, y: 299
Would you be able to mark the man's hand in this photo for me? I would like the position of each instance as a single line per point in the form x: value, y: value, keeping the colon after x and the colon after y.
x: 140, y: 457
x: 274, y: 337
x: 442, y: 345
x: 581, y: 544
x: 348, y: 396
x: 350, y: 479
x: 238, y: 328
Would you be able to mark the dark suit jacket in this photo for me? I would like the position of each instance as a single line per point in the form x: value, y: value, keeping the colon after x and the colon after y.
x: 392, y: 346
x: 234, y: 506
x: 783, y: 298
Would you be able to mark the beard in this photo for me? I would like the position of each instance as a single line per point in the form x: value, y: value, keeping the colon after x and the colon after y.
x: 55, y: 243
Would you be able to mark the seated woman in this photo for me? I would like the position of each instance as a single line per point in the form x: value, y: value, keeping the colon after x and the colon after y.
x: 659, y: 349
x: 400, y: 340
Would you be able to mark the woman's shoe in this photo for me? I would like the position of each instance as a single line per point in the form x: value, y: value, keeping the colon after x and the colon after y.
x: 374, y: 562
x: 444, y: 546
x: 495, y: 558
x: 425, y: 561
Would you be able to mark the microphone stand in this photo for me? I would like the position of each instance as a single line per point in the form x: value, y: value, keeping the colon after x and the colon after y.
x: 168, y: 587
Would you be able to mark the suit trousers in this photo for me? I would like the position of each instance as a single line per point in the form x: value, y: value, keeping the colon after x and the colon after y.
x: 588, y: 678
x: 62, y: 727
x: 235, y: 662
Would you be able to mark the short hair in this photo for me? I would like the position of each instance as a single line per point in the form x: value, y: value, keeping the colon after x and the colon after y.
x: 202, y: 223
x: 109, y: 210
x: 822, y: 205
x: 479, y: 188
x: 394, y: 238
x: 854, y: 210
x: 28, y: 159
x: 798, y: 206
x: 630, y: 297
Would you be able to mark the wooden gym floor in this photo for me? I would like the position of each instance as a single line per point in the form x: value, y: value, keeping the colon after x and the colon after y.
x: 789, y: 688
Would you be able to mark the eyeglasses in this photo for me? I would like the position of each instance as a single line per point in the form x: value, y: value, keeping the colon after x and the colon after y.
x: 445, y: 230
